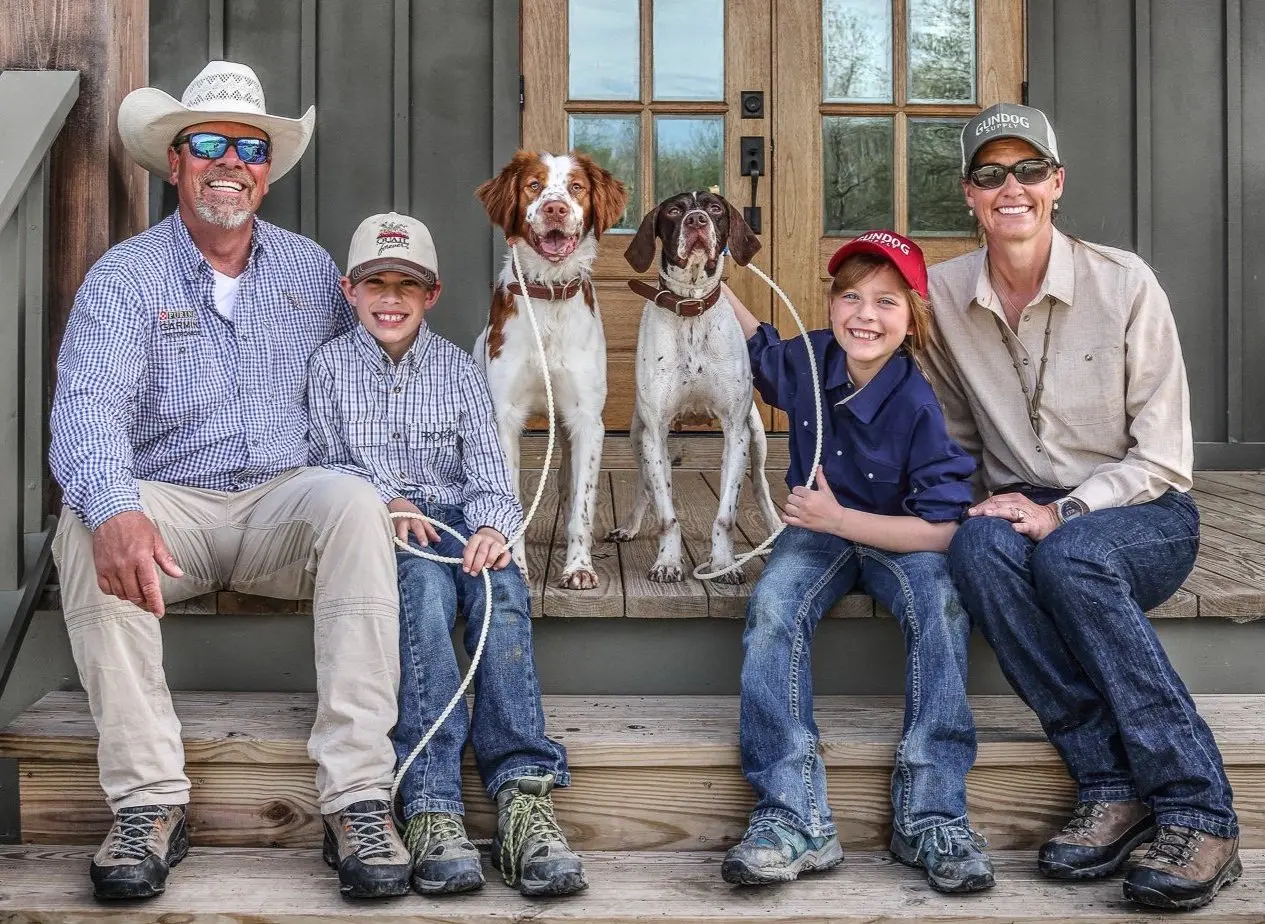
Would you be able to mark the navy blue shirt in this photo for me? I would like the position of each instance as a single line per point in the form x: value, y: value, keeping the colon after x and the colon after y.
x: 884, y: 446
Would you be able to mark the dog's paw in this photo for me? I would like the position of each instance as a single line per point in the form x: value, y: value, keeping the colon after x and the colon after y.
x: 578, y: 579
x: 666, y: 574
x: 621, y: 534
x: 729, y: 577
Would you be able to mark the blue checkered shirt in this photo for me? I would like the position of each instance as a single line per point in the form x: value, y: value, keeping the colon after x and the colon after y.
x: 154, y: 385
x: 421, y: 429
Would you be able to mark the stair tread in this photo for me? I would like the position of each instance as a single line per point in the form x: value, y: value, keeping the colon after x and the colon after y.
x: 50, y: 884
x: 601, y: 731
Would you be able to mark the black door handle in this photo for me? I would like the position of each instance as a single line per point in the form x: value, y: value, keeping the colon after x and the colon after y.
x: 751, y: 151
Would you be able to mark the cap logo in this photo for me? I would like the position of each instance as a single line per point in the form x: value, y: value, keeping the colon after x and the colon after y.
x: 886, y: 240
x: 392, y: 236
x: 999, y: 121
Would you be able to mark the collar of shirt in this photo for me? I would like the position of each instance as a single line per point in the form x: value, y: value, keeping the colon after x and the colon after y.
x: 865, y: 402
x: 1060, y: 277
x: 376, y: 357
x: 190, y: 260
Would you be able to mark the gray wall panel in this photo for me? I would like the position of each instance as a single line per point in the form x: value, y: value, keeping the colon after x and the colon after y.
x: 1253, y: 257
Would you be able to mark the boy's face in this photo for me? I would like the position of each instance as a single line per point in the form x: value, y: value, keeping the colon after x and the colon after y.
x: 871, y: 319
x: 391, y: 306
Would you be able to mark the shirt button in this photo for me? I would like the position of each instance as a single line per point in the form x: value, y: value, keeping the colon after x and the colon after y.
x: 1025, y: 362
x: 1089, y: 357
x: 1039, y: 449
x: 869, y: 474
x: 403, y: 474
x: 1027, y: 318
x: 395, y: 436
x: 397, y: 389
x: 805, y: 423
x: 838, y: 452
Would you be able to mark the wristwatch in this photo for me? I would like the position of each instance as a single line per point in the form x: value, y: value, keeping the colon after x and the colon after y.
x: 1069, y: 508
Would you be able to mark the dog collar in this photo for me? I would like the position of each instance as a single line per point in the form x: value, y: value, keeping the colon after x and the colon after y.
x: 665, y: 298
x: 552, y: 292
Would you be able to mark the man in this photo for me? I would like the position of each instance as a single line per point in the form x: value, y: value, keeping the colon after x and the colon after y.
x: 179, y: 437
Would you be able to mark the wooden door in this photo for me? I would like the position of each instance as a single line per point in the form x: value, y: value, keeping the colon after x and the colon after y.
x: 862, y: 102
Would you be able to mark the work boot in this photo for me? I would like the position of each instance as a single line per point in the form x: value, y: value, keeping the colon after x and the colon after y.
x: 952, y: 855
x: 144, y: 843
x: 443, y: 858
x: 1184, y: 869
x: 1096, y: 840
x: 362, y: 844
x: 530, y: 849
x: 771, y: 852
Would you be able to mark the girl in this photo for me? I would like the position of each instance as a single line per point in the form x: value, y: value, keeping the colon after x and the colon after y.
x: 889, y: 493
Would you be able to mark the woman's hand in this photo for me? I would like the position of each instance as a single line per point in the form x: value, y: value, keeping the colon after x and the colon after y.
x: 1036, y: 521
x: 425, y: 533
x: 814, y: 509
x: 486, y: 549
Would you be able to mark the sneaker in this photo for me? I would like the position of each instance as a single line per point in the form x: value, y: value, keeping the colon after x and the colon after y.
x: 952, y: 855
x: 443, y: 858
x: 530, y: 849
x: 771, y: 851
x: 1184, y: 869
x: 1096, y: 840
x: 362, y: 844
x: 143, y: 845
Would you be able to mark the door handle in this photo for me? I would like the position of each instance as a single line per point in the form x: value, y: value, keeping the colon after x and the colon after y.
x: 751, y: 152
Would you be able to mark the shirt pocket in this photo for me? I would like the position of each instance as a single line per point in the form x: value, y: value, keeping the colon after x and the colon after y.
x: 433, y: 448
x: 883, y: 479
x: 1086, y: 385
x: 187, y: 378
x: 375, y: 446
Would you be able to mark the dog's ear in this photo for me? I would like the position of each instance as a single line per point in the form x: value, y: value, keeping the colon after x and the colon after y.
x: 640, y: 252
x: 607, y: 195
x: 499, y: 195
x: 743, y: 242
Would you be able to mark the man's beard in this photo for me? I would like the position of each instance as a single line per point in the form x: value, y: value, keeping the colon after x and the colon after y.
x: 223, y: 216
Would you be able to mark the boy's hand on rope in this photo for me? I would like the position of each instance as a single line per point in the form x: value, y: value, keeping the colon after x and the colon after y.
x: 486, y: 549
x: 815, y: 508
x: 425, y: 533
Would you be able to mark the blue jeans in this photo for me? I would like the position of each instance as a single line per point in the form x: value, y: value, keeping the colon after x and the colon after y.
x: 807, y: 572
x: 1066, y: 617
x: 508, y: 729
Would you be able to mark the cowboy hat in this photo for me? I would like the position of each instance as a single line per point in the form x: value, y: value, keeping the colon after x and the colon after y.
x: 149, y: 119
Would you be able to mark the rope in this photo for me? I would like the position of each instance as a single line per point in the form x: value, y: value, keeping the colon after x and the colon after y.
x: 509, y: 543
x: 763, y: 547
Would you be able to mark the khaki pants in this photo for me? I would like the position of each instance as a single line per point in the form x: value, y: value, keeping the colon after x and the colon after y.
x: 307, y: 534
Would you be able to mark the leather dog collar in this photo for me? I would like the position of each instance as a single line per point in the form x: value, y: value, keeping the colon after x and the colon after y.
x: 664, y: 298
x: 552, y: 292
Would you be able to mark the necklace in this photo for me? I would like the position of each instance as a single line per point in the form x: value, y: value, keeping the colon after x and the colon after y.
x: 1031, y: 399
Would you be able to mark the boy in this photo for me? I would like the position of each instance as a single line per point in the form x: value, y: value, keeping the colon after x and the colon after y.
x: 405, y: 409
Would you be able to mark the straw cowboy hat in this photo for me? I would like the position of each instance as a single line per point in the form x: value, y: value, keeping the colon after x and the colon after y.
x: 149, y: 119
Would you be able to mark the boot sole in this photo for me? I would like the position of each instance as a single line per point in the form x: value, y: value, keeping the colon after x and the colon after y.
x: 374, y: 890
x: 1155, y: 899
x: 124, y: 890
x: 462, y: 882
x: 1106, y: 868
x: 736, y: 872
x: 978, y: 883
x: 566, y: 884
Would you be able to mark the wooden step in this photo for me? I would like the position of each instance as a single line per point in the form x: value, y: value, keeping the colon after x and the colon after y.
x: 219, y: 885
x: 648, y: 773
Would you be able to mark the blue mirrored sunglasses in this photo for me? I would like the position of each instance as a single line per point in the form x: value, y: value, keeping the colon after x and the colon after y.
x: 213, y: 146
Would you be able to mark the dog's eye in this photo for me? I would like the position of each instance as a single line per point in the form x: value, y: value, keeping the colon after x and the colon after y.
x: 577, y: 187
x: 714, y: 207
x: 674, y: 211
x: 534, y: 185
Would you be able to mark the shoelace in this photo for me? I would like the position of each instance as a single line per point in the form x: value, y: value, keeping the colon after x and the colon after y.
x: 530, y: 816
x: 1084, y: 819
x: 434, y: 828
x: 133, y: 832
x: 370, y: 832
x: 1175, y: 845
x: 947, y: 837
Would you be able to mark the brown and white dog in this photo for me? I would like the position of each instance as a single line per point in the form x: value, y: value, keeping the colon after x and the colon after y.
x: 556, y: 206
x: 692, y: 359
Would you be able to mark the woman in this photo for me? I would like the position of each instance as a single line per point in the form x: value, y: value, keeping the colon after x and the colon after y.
x: 1058, y: 365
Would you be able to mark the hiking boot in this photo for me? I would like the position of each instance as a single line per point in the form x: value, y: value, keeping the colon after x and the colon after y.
x: 771, y: 851
x: 1184, y: 869
x: 362, y: 844
x: 144, y: 843
x: 530, y: 849
x: 952, y: 855
x: 1096, y: 840
x: 444, y: 860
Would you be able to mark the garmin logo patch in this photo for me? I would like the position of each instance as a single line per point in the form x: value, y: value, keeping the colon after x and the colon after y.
x: 886, y: 240
x: 1002, y: 120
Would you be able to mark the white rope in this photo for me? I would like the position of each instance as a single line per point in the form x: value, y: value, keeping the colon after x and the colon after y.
x: 509, y: 543
x: 763, y: 548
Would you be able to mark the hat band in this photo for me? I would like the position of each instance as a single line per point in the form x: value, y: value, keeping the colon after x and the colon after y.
x: 388, y: 264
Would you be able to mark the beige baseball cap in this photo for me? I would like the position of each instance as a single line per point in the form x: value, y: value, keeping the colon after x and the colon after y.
x: 392, y: 242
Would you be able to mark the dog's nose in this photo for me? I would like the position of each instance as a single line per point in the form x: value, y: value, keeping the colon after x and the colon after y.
x: 695, y: 220
x: 555, y: 210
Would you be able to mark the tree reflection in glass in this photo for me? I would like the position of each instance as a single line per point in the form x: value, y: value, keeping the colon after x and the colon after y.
x: 942, y: 51
x: 936, y: 205
x: 857, y: 154
x: 688, y: 154
x: 613, y: 141
x: 856, y: 46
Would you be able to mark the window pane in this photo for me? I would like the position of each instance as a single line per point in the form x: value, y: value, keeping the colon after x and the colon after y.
x: 856, y: 42
x: 858, y: 174
x: 604, y: 45
x: 936, y: 204
x: 614, y: 142
x: 688, y: 154
x: 689, y: 49
x: 942, y: 51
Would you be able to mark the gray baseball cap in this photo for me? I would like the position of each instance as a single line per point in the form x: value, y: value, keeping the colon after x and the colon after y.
x: 1008, y: 120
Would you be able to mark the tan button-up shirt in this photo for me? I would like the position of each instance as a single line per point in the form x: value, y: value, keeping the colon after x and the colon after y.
x: 1113, y: 424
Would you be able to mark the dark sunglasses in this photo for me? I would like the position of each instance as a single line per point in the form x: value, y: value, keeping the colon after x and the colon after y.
x: 1028, y: 172
x: 213, y: 146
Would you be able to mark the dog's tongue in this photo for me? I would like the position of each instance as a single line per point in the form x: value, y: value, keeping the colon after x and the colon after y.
x: 557, y: 245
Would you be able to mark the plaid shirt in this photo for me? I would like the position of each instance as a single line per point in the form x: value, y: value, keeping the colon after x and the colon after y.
x: 421, y: 429
x: 154, y: 385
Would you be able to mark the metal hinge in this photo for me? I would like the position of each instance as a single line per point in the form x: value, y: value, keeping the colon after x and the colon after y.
x: 522, y: 92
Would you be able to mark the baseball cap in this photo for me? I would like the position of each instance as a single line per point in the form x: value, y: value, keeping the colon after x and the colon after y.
x: 392, y: 242
x: 903, y: 253
x: 1008, y: 120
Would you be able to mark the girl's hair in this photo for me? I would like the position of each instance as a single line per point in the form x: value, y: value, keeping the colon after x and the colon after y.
x: 860, y: 267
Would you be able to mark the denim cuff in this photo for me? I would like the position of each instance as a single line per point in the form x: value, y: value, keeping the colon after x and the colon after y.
x: 926, y: 824
x: 825, y: 830
x: 561, y: 777
x: 418, y: 806
x: 1124, y: 792
x: 1199, y: 822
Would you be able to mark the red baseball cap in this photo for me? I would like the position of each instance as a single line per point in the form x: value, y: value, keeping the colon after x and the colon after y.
x: 903, y: 253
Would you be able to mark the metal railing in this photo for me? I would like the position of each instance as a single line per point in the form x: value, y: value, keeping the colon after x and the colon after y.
x: 33, y: 109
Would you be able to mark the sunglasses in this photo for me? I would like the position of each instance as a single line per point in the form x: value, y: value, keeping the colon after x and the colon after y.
x: 1028, y: 172
x: 213, y: 146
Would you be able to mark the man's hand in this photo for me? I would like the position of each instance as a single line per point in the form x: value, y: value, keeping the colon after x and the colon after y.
x: 814, y: 509
x: 1036, y: 521
x: 125, y: 549
x: 425, y: 533
x: 486, y: 549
